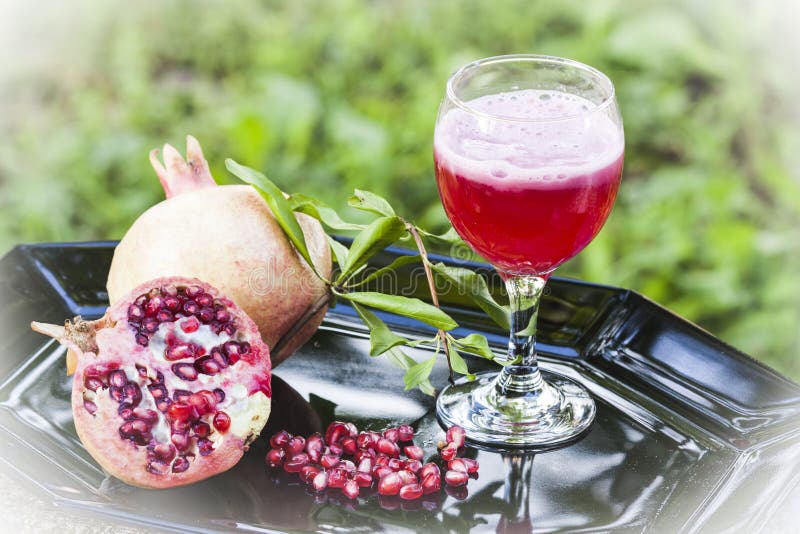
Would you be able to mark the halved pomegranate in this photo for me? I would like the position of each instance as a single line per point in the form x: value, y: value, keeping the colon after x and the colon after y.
x: 171, y: 385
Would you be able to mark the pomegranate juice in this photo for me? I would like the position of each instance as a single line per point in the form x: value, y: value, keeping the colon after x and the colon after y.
x: 528, y: 196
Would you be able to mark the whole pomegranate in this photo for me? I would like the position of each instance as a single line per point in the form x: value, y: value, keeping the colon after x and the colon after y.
x: 227, y: 236
x: 171, y: 385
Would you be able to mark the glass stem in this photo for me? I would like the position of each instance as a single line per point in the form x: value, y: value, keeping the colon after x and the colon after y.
x: 523, y: 376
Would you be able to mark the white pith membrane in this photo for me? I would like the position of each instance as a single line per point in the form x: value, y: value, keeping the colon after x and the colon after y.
x: 239, y: 382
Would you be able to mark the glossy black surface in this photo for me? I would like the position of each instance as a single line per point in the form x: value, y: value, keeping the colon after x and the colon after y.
x: 691, y: 435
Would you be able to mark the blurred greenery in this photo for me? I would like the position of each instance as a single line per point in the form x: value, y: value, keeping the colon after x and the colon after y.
x: 328, y: 96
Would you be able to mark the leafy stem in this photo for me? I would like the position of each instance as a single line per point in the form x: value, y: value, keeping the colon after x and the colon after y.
x: 423, y: 253
x: 386, y: 228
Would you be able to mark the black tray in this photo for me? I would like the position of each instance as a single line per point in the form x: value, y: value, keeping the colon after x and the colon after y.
x: 691, y: 435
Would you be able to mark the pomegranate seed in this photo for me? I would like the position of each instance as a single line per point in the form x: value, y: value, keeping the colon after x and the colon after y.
x: 89, y: 406
x: 205, y: 446
x: 457, y: 464
x: 207, y: 366
x: 185, y: 371
x: 126, y: 411
x: 364, y: 453
x: 203, y: 401
x: 193, y: 291
x: 365, y: 465
x: 390, y: 484
x: 391, y: 434
x: 315, y: 443
x: 431, y: 483
x: 230, y: 329
x: 180, y: 465
x: 381, y: 471
x: 115, y: 393
x: 320, y: 481
x: 336, y: 431
x: 295, y: 463
x: 349, y: 446
x: 472, y: 465
x: 219, y: 357
x: 206, y: 315
x: 350, y: 489
x: 150, y: 324
x: 449, y: 452
x: 348, y: 466
x: 352, y: 430
x: 117, y: 378
x: 334, y: 449
x: 164, y: 451
x: 395, y: 464
x: 279, y: 439
x: 142, y: 340
x: 455, y: 478
x: 190, y: 324
x: 147, y: 415
x: 93, y: 383
x: 181, y: 395
x: 204, y: 300
x: 413, y: 452
x: 382, y: 459
x: 388, y: 448
x: 405, y: 433
x: 308, y: 473
x: 412, y: 465
x: 132, y: 393
x: 135, y: 312
x: 219, y: 394
x: 164, y: 404
x: 136, y: 430
x: 180, y: 411
x: 222, y: 421
x: 329, y: 460
x: 201, y: 429
x: 336, y: 478
x: 456, y: 436
x: 164, y: 316
x: 275, y: 457
x: 190, y: 307
x: 410, y: 492
x: 179, y: 351
x: 152, y: 306
x: 407, y: 477
x: 172, y: 303
x: 429, y: 468
x: 295, y: 445
x: 364, y: 480
x: 363, y: 440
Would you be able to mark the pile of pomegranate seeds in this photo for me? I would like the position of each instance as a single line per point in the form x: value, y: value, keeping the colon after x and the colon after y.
x: 350, y: 460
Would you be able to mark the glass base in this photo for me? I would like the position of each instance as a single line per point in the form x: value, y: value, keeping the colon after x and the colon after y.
x: 555, y: 412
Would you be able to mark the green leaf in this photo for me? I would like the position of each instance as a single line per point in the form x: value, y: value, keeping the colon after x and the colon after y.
x: 419, y: 373
x: 475, y: 344
x: 474, y: 286
x: 458, y: 364
x: 391, y: 268
x: 408, y: 307
x: 403, y: 361
x: 340, y: 251
x: 450, y: 237
x: 280, y: 207
x: 366, y: 201
x: 379, y: 234
x: 322, y: 212
x: 381, y: 338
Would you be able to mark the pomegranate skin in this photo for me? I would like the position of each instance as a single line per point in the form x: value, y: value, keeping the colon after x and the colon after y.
x: 110, y: 344
x: 227, y: 236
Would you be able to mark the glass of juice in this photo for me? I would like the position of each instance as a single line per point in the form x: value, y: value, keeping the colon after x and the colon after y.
x: 528, y: 153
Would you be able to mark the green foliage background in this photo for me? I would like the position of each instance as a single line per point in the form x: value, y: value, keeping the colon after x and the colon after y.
x: 327, y: 96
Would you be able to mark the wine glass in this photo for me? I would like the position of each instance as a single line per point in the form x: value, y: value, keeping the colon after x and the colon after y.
x: 528, y: 153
